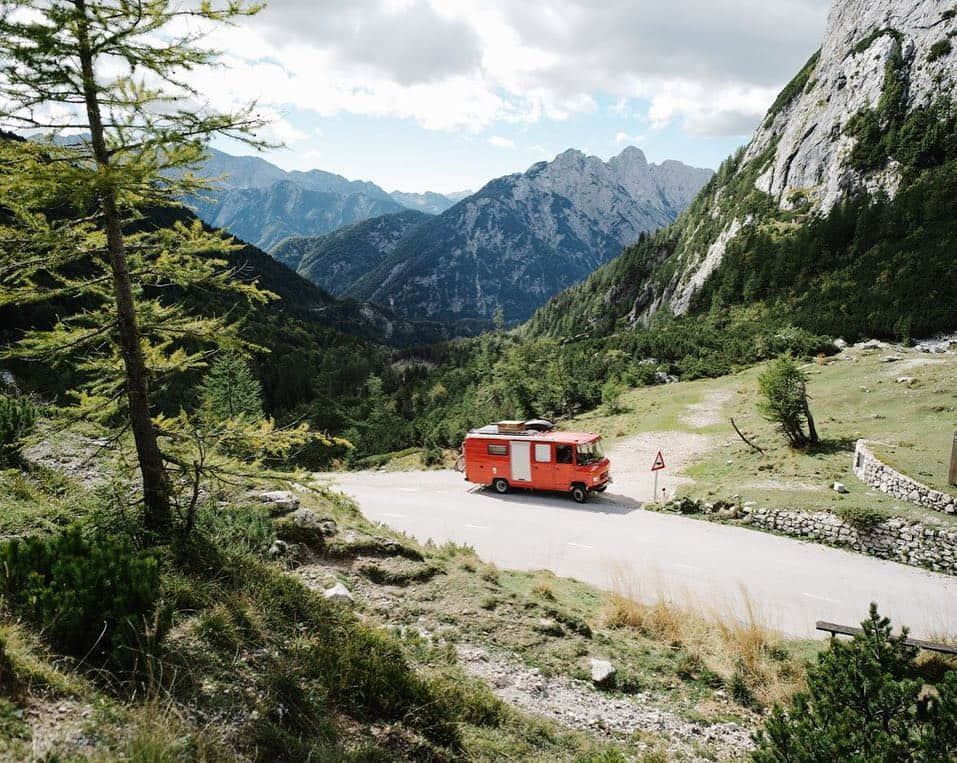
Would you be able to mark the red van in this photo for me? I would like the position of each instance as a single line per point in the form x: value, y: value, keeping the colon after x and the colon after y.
x: 568, y: 462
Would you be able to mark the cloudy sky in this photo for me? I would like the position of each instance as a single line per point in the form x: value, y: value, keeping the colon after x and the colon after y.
x: 446, y: 94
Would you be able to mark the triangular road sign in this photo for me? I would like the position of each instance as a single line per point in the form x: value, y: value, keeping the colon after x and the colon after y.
x: 659, y: 462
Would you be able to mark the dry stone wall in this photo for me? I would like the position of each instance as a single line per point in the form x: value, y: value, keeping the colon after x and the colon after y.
x: 896, y: 539
x: 870, y: 470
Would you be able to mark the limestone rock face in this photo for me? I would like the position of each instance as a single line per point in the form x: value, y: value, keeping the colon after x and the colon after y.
x: 800, y: 153
x: 862, y: 35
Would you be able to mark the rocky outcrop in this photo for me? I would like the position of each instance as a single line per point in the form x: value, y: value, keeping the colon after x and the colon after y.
x: 872, y: 471
x: 897, y: 539
x: 863, y: 36
x: 801, y: 153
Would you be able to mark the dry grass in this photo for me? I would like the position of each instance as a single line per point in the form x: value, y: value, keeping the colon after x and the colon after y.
x: 543, y: 590
x: 749, y: 657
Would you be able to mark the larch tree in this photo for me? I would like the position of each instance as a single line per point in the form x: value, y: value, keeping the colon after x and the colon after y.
x: 75, y: 215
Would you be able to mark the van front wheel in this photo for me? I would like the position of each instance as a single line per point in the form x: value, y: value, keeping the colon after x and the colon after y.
x: 579, y: 494
x: 500, y: 486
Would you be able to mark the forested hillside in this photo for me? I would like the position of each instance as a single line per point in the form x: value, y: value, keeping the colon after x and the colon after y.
x: 337, y: 260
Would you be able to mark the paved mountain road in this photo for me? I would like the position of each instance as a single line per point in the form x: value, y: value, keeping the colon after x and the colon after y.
x: 611, y: 542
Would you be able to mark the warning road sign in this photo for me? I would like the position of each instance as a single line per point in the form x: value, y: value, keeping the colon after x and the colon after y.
x: 659, y: 463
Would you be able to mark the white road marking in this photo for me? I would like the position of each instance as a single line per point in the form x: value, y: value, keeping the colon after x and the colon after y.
x: 387, y: 514
x: 477, y: 527
x: 686, y: 566
x: 579, y: 545
x: 821, y: 598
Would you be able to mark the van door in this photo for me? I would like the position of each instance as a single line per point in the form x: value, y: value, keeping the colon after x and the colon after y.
x: 521, y: 461
x: 543, y: 466
x: 564, y: 466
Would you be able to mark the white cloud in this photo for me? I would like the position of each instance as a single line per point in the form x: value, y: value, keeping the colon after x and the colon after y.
x: 712, y: 68
x: 623, y: 137
x: 500, y: 142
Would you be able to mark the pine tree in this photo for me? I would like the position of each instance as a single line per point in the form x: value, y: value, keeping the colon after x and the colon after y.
x: 785, y: 403
x: 72, y: 223
x: 865, y: 702
x: 230, y: 390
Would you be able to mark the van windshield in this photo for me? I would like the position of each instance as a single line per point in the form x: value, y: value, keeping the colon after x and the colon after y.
x: 590, y: 452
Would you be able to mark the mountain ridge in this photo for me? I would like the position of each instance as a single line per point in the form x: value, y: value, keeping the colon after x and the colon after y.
x: 523, y: 237
x: 264, y: 204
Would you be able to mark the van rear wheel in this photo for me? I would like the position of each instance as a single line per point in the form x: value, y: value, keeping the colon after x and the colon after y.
x: 500, y: 485
x: 579, y: 494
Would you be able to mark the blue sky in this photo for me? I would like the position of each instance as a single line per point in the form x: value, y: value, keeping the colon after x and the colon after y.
x: 445, y: 95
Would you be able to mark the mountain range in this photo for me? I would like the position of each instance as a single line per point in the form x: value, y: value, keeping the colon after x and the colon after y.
x: 263, y: 204
x: 510, y: 246
x: 838, y: 217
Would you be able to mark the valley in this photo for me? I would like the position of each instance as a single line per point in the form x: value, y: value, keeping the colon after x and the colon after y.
x: 235, y: 522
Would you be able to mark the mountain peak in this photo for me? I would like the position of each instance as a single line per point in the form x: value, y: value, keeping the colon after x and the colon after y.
x: 632, y: 154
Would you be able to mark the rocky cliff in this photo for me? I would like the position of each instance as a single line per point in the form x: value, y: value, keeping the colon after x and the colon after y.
x: 836, y: 216
x: 874, y: 51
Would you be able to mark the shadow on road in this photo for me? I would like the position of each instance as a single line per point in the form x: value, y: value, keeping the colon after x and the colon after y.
x: 597, y: 503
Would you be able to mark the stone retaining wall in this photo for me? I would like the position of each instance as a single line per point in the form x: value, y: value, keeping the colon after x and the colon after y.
x: 895, y: 539
x: 870, y: 470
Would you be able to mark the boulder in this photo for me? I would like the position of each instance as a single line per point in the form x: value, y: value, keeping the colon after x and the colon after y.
x: 905, y: 379
x: 281, y: 500
x: 602, y: 672
x: 841, y: 344
x: 339, y: 594
x: 839, y: 487
x: 890, y: 358
x: 307, y: 519
x: 278, y: 548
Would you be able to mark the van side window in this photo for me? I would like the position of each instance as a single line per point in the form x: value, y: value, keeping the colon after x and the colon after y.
x: 563, y: 454
x: 497, y: 449
x: 543, y: 453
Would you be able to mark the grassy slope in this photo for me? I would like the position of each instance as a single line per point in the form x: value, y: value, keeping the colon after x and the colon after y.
x: 911, y: 425
x: 245, y: 625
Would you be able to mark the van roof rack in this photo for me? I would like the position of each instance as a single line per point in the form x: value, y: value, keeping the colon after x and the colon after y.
x: 516, y: 428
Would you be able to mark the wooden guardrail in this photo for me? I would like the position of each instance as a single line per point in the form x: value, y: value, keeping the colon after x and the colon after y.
x: 846, y: 630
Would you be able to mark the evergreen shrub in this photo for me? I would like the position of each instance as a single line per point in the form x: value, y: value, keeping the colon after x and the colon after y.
x: 94, y: 599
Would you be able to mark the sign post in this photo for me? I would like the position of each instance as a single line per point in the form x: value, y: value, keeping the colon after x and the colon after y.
x: 952, y: 477
x: 659, y: 464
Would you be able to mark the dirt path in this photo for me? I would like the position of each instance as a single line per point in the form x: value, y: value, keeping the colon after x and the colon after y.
x: 709, y: 411
x: 632, y: 457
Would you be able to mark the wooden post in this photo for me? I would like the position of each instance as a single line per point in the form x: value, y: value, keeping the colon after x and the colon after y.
x: 952, y: 477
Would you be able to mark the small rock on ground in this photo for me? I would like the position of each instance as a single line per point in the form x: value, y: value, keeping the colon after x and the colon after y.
x: 338, y: 593
x: 280, y: 499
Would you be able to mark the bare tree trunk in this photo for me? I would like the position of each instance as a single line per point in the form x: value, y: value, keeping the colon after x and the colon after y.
x: 812, y: 430
x: 156, y: 492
